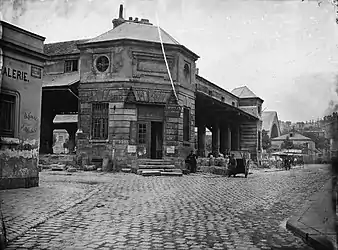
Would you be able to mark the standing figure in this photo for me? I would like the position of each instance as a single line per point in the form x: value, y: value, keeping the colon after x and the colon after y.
x: 192, y: 161
x: 232, y: 165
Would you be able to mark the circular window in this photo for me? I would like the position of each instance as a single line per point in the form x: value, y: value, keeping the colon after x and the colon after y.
x: 102, y: 63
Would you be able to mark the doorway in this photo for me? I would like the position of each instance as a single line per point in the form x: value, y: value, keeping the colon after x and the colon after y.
x: 156, y: 143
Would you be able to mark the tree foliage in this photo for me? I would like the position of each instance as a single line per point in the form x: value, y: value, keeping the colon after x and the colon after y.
x: 266, y: 140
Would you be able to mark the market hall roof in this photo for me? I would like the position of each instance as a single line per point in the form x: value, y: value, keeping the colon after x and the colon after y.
x: 244, y: 92
x: 60, y: 80
x: 62, y: 48
x: 135, y: 31
x: 293, y: 136
x: 66, y: 118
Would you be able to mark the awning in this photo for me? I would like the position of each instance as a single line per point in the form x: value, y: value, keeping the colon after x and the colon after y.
x: 209, y: 102
x: 60, y: 80
x: 71, y: 118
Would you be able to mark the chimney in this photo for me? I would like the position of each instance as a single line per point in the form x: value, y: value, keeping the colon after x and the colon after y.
x: 130, y: 18
x: 120, y: 20
x: 121, y: 12
x: 136, y: 20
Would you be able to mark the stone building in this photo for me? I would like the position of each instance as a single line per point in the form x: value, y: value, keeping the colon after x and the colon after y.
x: 305, y: 144
x: 128, y: 108
x: 21, y: 67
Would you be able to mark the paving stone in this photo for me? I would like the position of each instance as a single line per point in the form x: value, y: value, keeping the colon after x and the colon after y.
x: 190, y: 212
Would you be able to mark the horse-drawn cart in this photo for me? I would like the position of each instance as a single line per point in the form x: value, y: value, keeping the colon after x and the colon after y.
x: 243, y: 161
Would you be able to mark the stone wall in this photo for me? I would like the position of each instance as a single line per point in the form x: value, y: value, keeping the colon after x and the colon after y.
x: 123, y: 117
x: 21, y: 75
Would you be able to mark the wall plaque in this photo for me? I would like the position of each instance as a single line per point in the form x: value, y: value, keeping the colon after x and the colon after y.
x: 131, y: 148
x: 36, y: 72
x: 173, y: 111
x: 171, y: 150
x: 171, y: 137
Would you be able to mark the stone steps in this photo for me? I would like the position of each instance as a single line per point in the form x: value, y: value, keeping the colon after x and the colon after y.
x: 154, y: 167
x: 176, y: 170
x: 171, y: 173
x: 154, y: 162
x: 159, y: 173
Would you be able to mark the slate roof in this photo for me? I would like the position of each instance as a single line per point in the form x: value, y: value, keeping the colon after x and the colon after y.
x: 72, y: 118
x: 135, y: 31
x: 243, y: 92
x: 295, y: 137
x: 62, y: 48
x: 60, y: 80
x: 268, y: 118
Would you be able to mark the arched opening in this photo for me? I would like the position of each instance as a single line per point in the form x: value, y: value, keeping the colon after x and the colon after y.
x: 274, y: 131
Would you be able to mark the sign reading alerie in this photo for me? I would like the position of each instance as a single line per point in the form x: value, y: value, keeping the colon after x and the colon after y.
x: 15, y: 74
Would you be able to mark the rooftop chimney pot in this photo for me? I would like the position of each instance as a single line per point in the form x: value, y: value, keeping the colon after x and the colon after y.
x: 121, y: 11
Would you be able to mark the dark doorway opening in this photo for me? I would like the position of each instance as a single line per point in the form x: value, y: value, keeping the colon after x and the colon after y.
x: 156, y: 140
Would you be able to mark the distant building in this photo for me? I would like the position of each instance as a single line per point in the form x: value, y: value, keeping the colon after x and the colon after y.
x: 21, y: 70
x: 271, y: 123
x: 285, y: 126
x: 299, y: 142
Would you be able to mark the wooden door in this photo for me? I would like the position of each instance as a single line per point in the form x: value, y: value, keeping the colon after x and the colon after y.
x: 143, y: 139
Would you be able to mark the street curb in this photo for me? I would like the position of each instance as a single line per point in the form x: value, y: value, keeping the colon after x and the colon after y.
x: 43, y: 219
x: 309, y: 235
x: 3, y: 238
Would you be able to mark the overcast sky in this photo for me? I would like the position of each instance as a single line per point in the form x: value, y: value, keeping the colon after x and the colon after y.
x: 284, y: 51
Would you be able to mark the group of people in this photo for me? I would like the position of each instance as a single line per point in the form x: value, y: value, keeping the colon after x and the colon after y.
x: 289, y: 161
x: 191, y: 161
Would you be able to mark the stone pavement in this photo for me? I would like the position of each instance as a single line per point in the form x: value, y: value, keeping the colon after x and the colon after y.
x: 125, y: 211
x: 27, y: 208
x: 315, y: 223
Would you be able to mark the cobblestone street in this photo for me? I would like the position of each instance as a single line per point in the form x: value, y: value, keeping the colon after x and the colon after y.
x: 125, y: 211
